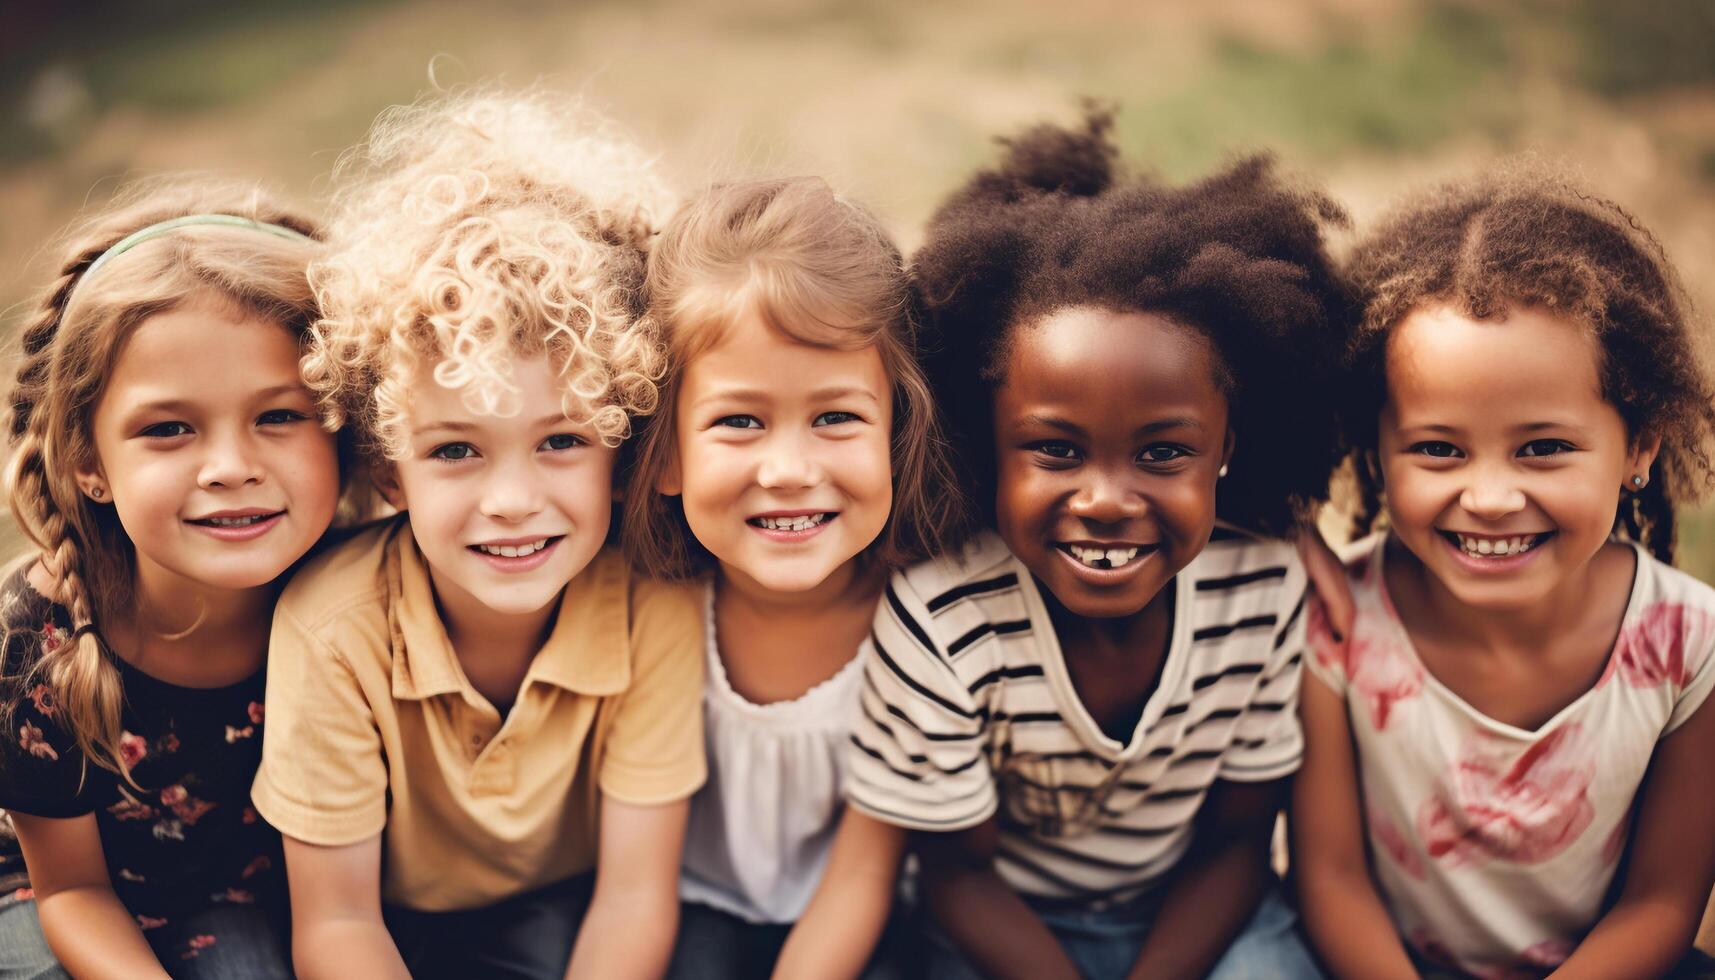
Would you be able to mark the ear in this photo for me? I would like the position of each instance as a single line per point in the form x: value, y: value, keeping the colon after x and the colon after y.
x: 1227, y: 447
x: 1645, y: 448
x: 385, y: 476
x: 92, y: 483
x: 670, y: 483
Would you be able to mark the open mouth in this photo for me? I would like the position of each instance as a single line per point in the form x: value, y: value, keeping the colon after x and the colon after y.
x: 1494, y: 546
x: 1105, y: 557
x: 800, y: 522
x: 247, y: 520
x: 523, y: 550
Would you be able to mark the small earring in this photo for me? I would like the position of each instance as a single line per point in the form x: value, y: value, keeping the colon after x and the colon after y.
x: 1638, y: 482
x: 96, y: 493
x: 1222, y: 471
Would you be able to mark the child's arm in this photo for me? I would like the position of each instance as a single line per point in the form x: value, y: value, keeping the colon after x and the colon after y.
x: 1672, y: 864
x: 1217, y: 884
x: 1328, y: 578
x: 838, y: 932
x: 636, y: 892
x: 981, y: 913
x: 337, y: 930
x: 1342, y: 911
x: 84, y: 922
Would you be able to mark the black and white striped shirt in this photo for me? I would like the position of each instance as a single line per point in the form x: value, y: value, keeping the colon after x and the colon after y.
x: 968, y: 709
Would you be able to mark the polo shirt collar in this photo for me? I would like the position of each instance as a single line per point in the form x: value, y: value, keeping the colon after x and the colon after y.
x: 586, y: 652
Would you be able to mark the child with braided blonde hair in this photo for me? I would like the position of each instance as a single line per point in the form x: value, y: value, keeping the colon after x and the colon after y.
x: 483, y: 727
x: 168, y: 468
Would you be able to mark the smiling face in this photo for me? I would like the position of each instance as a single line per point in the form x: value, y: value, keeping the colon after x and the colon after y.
x: 1503, y: 463
x: 505, y: 510
x: 1110, y: 431
x: 208, y: 446
x: 784, y: 461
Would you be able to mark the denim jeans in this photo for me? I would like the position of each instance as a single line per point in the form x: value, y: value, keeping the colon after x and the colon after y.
x: 713, y: 945
x: 525, y: 937
x: 1104, y: 943
x: 222, y: 942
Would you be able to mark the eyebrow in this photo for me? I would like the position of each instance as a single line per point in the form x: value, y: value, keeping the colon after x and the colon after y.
x: 1450, y: 430
x: 828, y: 393
x: 1147, y: 429
x: 180, y: 406
x: 450, y: 425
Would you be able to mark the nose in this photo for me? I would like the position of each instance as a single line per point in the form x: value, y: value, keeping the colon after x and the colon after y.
x: 511, y: 493
x: 787, y: 464
x: 1107, y: 498
x: 1492, y: 493
x: 232, y: 460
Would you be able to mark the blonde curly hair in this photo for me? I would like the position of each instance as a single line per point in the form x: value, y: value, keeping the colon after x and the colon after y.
x: 471, y: 229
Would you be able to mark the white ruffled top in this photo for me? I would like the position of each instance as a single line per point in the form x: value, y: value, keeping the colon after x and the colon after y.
x: 762, y: 825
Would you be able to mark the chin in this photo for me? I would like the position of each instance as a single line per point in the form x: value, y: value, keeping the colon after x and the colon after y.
x: 1102, y: 607
x: 792, y: 579
x: 515, y: 603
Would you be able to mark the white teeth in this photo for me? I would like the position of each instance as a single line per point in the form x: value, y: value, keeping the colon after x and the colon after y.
x: 1497, y: 547
x: 513, y: 550
x: 233, y: 521
x: 1102, y: 557
x: 803, y: 523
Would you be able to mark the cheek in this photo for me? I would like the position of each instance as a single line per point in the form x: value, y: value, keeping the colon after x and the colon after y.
x: 1024, y: 494
x: 711, y: 476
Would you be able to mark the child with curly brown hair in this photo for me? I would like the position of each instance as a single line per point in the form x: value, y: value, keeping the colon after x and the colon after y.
x: 169, y: 468
x: 1528, y: 403
x: 484, y: 727
x: 799, y: 460
x: 1087, y: 713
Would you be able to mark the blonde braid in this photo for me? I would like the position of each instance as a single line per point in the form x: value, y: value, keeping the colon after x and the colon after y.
x: 85, y: 683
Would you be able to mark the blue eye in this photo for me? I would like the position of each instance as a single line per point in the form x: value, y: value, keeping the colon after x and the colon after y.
x: 1545, y: 447
x: 1436, y: 450
x: 166, y: 430
x: 280, y: 416
x: 452, y: 452
x: 836, y: 418
x: 561, y: 441
x: 1162, y: 453
x: 739, y: 422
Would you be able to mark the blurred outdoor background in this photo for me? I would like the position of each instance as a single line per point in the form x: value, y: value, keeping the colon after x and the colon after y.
x: 895, y: 101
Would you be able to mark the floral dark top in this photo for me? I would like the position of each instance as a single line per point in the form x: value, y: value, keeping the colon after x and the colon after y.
x: 189, y: 837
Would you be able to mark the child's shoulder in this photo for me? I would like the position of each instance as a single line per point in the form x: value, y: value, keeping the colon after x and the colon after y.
x: 1662, y: 582
x: 344, y: 577
x: 1235, y: 557
x: 982, y: 564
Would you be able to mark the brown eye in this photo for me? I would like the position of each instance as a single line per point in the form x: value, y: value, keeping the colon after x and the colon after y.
x: 1162, y: 453
x: 1545, y: 447
x: 167, y: 430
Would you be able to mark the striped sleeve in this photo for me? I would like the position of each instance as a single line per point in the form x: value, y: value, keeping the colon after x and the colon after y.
x: 917, y: 758
x: 1268, y: 741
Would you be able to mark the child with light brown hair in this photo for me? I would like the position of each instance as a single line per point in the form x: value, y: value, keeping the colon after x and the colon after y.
x: 168, y: 468
x: 798, y: 460
x: 484, y: 727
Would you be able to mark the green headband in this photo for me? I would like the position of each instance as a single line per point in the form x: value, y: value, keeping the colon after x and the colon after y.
x: 158, y: 229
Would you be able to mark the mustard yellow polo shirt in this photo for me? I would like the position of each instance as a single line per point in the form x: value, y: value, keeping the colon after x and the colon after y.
x: 373, y: 727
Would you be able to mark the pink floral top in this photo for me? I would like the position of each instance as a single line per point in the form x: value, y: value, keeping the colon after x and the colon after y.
x: 183, y: 839
x: 1492, y: 846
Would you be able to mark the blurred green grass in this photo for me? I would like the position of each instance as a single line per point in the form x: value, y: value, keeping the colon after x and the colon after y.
x: 895, y: 100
